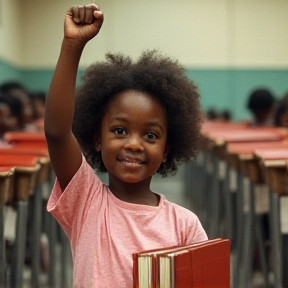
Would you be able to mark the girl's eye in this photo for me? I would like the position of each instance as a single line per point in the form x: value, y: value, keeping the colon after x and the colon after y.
x: 120, y: 131
x: 151, y: 135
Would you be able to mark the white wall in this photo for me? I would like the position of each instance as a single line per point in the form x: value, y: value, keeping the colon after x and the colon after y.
x: 206, y: 33
x: 261, y: 35
x: 10, y: 36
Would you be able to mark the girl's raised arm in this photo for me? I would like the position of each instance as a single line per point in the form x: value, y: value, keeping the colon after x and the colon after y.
x: 81, y: 24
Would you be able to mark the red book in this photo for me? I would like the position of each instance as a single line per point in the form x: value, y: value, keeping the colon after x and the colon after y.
x: 184, y: 267
x: 198, y: 267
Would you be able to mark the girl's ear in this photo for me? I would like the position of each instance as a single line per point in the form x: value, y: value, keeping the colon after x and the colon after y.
x: 97, y: 143
x: 166, y: 152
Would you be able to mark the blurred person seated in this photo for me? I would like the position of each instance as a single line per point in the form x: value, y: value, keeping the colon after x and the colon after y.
x: 10, y: 114
x: 281, y: 112
x: 38, y: 104
x: 218, y: 116
x: 17, y: 90
x: 261, y: 103
x: 225, y: 115
x: 212, y: 114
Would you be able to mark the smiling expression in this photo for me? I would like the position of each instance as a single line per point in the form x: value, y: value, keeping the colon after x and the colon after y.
x: 133, y: 136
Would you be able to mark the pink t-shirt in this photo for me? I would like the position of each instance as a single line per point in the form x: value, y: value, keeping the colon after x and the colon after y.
x: 104, y: 231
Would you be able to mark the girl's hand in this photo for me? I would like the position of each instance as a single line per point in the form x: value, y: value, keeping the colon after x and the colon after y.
x: 82, y: 23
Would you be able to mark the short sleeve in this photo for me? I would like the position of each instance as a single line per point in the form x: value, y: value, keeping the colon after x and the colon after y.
x: 195, y: 232
x: 70, y: 206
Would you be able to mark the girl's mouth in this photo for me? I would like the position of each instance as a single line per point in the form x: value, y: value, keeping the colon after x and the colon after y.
x: 131, y: 161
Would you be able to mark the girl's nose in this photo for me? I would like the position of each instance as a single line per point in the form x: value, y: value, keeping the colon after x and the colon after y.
x: 134, y: 143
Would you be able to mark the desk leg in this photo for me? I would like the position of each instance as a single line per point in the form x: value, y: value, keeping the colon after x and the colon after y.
x: 239, y: 229
x: 228, y: 208
x: 52, y: 235
x: 261, y: 248
x: 199, y: 188
x: 65, y: 261
x: 2, y: 245
x: 276, y: 240
x: 215, y: 211
x: 285, y: 260
x: 248, y: 239
x: 17, y: 263
x: 191, y: 188
x: 207, y: 190
x: 36, y: 235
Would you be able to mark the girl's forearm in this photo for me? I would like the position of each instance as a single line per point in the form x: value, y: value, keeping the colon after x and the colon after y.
x: 61, y: 95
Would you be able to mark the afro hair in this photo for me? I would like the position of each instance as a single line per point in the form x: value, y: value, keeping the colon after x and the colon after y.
x: 158, y: 75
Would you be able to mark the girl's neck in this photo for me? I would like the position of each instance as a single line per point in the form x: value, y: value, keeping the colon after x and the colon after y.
x: 136, y: 193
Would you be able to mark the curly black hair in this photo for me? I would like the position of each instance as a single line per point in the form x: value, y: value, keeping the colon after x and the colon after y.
x: 153, y: 73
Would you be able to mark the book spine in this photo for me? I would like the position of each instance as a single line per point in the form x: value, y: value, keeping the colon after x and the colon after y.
x: 154, y: 272
x: 135, y: 271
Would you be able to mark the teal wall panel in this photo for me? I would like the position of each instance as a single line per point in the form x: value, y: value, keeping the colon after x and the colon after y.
x: 219, y: 88
x: 229, y: 89
x: 9, y: 72
x: 40, y: 79
x: 214, y: 87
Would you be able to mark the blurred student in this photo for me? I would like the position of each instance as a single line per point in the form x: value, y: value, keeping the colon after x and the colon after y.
x: 18, y: 91
x: 281, y: 112
x: 212, y: 114
x: 10, y: 114
x: 226, y: 115
x: 38, y: 104
x: 261, y: 104
x: 218, y: 116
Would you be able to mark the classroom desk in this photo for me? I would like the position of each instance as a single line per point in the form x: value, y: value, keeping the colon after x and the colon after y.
x: 274, y: 164
x: 6, y: 173
x: 39, y: 150
x: 215, y: 141
x: 249, y: 166
x: 36, y: 142
x: 26, y: 168
x: 241, y: 169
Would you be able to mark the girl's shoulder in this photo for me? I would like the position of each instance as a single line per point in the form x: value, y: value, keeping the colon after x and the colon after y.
x: 178, y: 210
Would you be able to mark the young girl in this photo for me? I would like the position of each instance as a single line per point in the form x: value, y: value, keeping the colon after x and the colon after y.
x: 132, y: 120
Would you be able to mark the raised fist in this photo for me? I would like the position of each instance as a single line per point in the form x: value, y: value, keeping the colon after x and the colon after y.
x: 83, y: 22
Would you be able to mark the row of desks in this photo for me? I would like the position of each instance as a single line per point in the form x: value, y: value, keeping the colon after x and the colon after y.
x: 25, y: 169
x: 239, y: 176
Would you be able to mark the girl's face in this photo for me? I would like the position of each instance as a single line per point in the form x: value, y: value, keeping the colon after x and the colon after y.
x: 133, y: 136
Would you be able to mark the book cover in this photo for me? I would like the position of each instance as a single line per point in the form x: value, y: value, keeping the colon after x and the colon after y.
x: 197, y: 267
x: 146, y: 265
